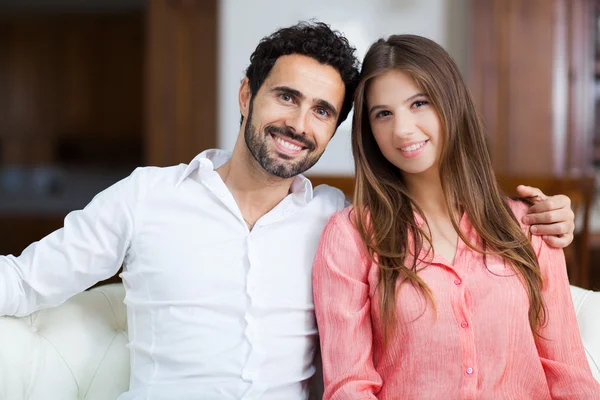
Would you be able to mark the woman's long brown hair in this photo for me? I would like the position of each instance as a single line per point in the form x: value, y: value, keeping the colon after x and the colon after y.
x: 383, y: 208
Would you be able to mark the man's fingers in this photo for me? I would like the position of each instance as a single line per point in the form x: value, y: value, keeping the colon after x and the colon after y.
x: 558, y: 229
x: 551, y: 203
x: 531, y: 193
x: 549, y: 217
x: 558, y: 242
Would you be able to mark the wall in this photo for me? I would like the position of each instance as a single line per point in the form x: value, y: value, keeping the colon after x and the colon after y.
x: 243, y: 24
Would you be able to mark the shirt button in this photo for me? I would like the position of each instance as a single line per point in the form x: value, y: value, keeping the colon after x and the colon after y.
x: 464, y: 324
x: 469, y: 370
x: 457, y: 282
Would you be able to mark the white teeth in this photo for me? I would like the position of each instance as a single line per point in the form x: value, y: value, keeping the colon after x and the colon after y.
x: 287, y: 144
x: 413, y: 147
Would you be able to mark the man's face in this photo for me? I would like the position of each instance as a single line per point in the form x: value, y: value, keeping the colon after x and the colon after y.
x: 293, y: 115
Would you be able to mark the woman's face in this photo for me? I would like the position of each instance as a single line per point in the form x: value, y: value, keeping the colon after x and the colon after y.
x: 405, y: 124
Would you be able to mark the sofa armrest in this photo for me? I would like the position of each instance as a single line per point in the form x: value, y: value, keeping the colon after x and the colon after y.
x: 587, y: 309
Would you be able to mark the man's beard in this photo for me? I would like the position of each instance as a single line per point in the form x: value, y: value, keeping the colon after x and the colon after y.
x: 280, y: 165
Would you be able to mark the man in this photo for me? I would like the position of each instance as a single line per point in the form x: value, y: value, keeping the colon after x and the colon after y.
x: 218, y: 253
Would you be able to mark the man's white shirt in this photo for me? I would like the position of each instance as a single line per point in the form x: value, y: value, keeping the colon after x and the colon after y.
x: 215, y: 311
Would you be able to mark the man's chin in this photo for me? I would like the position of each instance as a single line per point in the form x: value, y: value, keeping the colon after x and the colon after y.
x: 284, y: 165
x: 281, y: 170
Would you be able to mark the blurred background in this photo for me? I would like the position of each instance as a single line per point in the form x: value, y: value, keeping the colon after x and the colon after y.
x: 90, y: 89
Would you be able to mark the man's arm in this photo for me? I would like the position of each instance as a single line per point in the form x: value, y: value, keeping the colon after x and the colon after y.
x: 550, y: 216
x: 89, y: 248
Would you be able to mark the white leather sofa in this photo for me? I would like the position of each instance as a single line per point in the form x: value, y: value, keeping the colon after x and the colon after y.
x: 78, y: 350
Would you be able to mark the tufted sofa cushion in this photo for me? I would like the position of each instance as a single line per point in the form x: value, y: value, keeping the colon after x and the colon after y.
x: 74, y: 351
x: 78, y: 350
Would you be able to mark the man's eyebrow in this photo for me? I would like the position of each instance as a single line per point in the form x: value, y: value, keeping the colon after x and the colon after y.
x: 288, y: 90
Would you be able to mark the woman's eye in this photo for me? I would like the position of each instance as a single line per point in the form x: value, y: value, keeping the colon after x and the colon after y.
x: 420, y: 103
x: 382, y: 114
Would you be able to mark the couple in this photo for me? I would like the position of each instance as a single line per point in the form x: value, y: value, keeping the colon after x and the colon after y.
x: 218, y: 254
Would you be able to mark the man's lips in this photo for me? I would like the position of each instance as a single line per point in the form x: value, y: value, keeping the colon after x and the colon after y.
x: 286, y: 137
x: 286, y: 146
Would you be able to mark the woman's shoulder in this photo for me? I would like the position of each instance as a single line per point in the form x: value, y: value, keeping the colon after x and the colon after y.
x: 347, y: 217
x: 341, y: 234
x: 343, y: 219
x: 520, y: 208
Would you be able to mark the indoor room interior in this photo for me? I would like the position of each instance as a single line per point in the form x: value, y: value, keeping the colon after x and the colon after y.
x: 92, y: 89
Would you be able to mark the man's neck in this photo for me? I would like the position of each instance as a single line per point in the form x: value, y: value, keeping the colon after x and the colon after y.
x: 255, y: 191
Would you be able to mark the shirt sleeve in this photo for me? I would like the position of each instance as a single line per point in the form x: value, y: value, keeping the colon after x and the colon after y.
x: 343, y: 310
x: 559, y: 342
x: 89, y: 248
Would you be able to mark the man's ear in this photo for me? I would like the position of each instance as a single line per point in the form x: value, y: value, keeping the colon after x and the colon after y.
x: 244, y: 97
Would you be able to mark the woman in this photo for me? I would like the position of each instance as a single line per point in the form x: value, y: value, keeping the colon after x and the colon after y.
x: 481, y: 312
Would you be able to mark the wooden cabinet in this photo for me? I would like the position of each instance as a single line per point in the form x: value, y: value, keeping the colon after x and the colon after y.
x: 596, y: 89
x: 532, y: 76
x: 181, y: 80
x: 71, y: 89
x: 98, y: 89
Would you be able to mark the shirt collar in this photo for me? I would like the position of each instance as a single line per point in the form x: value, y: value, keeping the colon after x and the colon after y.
x: 209, y: 159
x: 212, y: 159
x: 418, y: 219
x: 464, y: 223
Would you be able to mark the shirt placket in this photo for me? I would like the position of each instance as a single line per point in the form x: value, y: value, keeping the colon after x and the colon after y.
x: 252, y: 369
x: 461, y: 306
x: 467, y: 340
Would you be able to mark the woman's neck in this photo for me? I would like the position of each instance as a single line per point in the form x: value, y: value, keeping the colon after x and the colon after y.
x: 426, y: 190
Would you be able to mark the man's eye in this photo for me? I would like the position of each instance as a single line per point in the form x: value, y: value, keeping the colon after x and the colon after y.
x: 322, y: 112
x: 285, y: 97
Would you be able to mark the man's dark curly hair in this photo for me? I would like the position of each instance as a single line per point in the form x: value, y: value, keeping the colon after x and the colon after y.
x: 313, y: 39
